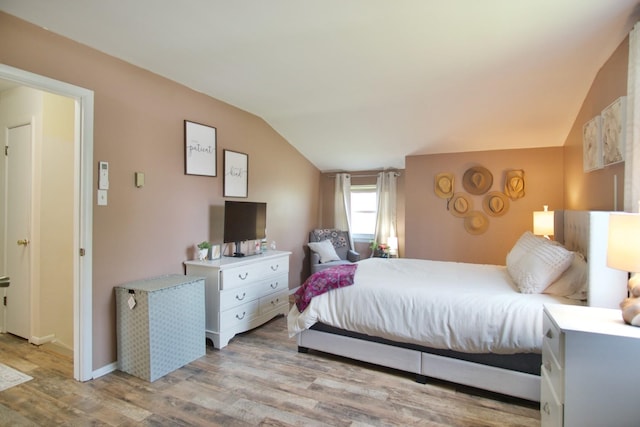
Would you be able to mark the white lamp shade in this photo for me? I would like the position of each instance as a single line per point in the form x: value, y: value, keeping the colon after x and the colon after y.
x: 543, y: 222
x: 623, y: 248
x: 393, y: 245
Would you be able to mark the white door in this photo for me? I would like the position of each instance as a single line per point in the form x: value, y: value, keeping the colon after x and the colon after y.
x: 18, y: 306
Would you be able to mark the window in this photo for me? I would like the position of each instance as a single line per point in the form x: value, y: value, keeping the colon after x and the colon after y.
x: 364, y: 205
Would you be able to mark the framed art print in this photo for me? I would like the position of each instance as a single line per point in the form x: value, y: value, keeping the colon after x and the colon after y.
x: 592, y: 144
x: 236, y: 174
x: 613, y: 132
x: 199, y: 149
x: 215, y: 252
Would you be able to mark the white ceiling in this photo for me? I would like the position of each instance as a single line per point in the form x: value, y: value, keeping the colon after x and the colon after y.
x: 360, y: 84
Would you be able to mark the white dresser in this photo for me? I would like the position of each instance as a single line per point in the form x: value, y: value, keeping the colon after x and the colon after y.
x: 242, y: 293
x: 589, y: 368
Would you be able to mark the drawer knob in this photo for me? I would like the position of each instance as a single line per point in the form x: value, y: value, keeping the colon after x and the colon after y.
x: 547, y: 366
x: 244, y: 313
x: 549, y: 334
x: 240, y: 298
x: 243, y: 277
x: 275, y: 268
x: 546, y: 409
x: 274, y: 285
x: 275, y: 302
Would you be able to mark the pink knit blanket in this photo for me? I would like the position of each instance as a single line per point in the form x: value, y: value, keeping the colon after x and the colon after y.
x: 324, y: 281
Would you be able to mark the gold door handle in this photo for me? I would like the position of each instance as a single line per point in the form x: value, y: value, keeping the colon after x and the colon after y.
x: 23, y: 242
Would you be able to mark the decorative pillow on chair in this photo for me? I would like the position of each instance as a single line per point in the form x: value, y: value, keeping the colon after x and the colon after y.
x: 325, y: 249
x: 535, y: 262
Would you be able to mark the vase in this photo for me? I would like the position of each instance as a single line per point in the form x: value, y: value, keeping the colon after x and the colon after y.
x: 203, y: 254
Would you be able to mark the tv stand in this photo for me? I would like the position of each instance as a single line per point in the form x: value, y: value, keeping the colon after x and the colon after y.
x: 237, y: 252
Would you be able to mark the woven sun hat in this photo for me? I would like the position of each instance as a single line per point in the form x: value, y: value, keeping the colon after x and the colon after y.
x: 460, y: 205
x: 495, y: 203
x: 514, y: 184
x: 477, y: 180
x: 444, y: 185
x: 476, y: 223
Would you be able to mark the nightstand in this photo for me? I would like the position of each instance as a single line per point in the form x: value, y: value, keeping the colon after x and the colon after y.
x: 589, y: 374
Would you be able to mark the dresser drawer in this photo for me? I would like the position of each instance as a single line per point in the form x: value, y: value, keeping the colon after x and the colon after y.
x: 273, y: 301
x: 553, y: 339
x: 240, y: 314
x: 238, y: 296
x: 275, y: 284
x: 551, y: 410
x: 553, y: 370
x: 251, y: 272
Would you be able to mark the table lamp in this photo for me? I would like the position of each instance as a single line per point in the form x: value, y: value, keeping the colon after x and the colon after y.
x: 623, y: 253
x: 543, y: 222
x: 392, y: 241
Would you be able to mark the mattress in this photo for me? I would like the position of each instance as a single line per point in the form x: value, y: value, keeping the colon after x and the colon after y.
x: 470, y: 308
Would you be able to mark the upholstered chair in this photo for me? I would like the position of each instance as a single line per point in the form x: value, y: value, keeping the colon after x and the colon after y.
x: 330, y: 247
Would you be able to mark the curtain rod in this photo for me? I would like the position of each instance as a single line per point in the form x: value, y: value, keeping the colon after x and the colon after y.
x: 365, y: 175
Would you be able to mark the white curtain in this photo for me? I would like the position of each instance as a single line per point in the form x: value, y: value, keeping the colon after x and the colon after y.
x: 387, y: 218
x: 632, y: 150
x: 342, y: 204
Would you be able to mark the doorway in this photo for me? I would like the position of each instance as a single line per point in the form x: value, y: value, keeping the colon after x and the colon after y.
x: 82, y: 209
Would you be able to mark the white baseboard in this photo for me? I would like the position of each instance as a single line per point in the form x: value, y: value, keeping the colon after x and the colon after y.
x: 42, y: 340
x: 107, y: 369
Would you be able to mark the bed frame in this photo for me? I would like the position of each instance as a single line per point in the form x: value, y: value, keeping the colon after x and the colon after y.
x: 581, y: 231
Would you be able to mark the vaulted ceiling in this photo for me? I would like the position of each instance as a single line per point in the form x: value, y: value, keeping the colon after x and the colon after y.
x: 360, y: 84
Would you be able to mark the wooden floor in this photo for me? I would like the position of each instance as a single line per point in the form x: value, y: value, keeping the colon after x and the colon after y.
x: 259, y: 379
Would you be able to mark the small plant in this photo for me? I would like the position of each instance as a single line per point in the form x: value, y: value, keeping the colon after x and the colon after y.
x: 204, y: 245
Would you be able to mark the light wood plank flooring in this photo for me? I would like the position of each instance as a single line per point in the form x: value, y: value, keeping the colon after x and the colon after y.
x: 259, y: 379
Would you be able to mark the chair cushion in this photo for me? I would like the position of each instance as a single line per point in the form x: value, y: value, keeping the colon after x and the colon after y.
x: 325, y: 250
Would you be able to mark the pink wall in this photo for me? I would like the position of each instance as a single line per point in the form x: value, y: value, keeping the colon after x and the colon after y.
x: 149, y: 231
x: 432, y: 232
x: 594, y: 190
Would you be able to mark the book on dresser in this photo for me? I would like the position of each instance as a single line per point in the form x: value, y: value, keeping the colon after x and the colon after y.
x: 242, y: 293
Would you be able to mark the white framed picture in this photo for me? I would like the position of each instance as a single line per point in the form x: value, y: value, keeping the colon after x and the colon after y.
x: 613, y: 131
x: 215, y: 252
x: 592, y: 144
x: 199, y: 149
x: 236, y: 174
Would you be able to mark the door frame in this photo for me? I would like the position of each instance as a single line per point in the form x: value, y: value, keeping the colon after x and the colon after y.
x: 83, y: 207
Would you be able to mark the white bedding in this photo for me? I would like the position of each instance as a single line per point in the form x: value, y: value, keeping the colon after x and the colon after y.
x: 471, y: 308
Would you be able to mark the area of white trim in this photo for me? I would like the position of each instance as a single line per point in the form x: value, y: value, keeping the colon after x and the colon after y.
x: 83, y: 219
x: 106, y: 369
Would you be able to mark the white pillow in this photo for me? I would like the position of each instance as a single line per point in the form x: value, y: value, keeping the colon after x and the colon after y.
x: 525, y: 244
x: 325, y: 249
x: 573, y: 282
x: 541, y: 266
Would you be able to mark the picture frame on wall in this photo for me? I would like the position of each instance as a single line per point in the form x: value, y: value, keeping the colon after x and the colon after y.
x: 199, y: 149
x: 592, y: 144
x: 613, y: 131
x: 236, y: 174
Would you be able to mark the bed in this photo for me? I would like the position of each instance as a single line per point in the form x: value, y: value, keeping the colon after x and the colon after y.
x: 478, y: 328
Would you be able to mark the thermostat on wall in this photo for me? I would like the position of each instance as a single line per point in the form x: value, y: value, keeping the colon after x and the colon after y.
x: 103, y: 176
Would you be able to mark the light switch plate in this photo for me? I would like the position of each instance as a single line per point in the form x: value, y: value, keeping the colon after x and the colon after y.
x: 139, y: 179
x: 102, y: 197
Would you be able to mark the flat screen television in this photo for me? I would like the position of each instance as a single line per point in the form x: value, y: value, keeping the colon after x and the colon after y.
x: 244, y: 221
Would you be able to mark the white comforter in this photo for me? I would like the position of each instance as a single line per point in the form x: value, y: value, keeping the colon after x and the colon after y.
x: 471, y: 308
